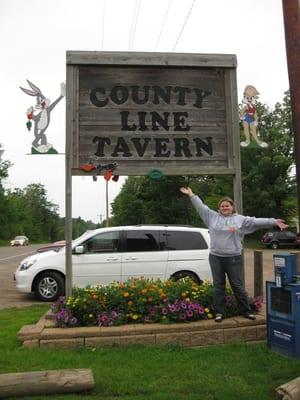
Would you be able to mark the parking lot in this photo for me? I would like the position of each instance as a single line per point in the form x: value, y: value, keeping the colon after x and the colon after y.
x: 11, y: 256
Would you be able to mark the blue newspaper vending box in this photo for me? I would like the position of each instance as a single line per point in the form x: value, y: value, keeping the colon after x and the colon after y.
x: 283, y: 307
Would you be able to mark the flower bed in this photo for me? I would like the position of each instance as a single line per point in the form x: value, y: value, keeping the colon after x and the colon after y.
x: 141, y: 300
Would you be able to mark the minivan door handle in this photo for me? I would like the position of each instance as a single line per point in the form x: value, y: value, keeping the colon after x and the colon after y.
x: 130, y: 258
x: 112, y: 259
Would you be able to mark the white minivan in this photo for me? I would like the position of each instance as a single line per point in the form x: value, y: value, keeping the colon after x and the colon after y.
x: 104, y: 255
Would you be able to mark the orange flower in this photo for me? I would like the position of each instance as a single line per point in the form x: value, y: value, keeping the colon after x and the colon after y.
x: 130, y: 303
x: 144, y: 291
x: 150, y: 299
x: 125, y: 294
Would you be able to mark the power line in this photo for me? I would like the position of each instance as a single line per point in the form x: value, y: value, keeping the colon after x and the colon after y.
x: 183, y: 26
x: 163, y: 24
x: 134, y: 23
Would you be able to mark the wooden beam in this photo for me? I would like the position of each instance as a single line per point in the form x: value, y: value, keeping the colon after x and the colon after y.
x: 46, y: 382
x: 149, y: 58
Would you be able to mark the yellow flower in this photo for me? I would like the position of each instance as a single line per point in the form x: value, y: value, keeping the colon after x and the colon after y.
x: 183, y: 294
x: 209, y: 315
x: 91, y: 316
x: 206, y: 310
x: 134, y: 316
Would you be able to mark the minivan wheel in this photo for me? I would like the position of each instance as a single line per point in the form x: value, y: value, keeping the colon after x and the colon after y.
x: 184, y: 275
x: 48, y: 286
x: 274, y: 245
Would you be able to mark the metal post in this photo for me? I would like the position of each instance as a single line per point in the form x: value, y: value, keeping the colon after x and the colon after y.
x: 291, y: 16
x: 68, y: 192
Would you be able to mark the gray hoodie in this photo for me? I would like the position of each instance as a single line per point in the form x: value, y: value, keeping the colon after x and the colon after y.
x: 227, y: 232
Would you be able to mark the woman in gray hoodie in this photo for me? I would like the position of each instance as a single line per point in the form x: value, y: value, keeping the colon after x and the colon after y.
x: 227, y: 230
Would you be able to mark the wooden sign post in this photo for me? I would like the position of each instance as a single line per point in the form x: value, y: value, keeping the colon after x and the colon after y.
x: 151, y: 113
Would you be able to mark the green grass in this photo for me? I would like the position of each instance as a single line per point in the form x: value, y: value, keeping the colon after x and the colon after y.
x: 228, y: 372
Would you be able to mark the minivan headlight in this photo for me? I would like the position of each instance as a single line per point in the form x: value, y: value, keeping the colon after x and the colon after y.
x: 27, y: 264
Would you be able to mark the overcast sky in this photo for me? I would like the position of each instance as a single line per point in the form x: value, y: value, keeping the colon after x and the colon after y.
x: 34, y: 38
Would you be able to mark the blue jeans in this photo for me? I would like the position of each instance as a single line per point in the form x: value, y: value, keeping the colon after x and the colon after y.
x: 233, y: 268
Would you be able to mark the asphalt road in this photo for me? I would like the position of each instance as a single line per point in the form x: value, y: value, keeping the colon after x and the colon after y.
x: 10, y: 258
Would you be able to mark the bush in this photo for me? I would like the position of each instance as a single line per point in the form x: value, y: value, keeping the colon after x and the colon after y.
x: 141, y: 300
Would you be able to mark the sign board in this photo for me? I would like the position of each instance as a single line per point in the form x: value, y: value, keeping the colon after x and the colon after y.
x: 176, y: 113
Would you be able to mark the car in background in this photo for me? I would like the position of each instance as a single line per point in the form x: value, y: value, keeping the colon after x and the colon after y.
x: 20, y: 241
x: 277, y: 239
x: 104, y: 255
x: 52, y: 246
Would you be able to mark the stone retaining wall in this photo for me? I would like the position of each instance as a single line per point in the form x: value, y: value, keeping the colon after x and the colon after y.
x: 202, y: 333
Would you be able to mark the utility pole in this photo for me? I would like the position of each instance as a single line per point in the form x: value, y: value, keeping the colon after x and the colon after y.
x: 291, y: 16
x: 100, y: 217
x: 107, y: 205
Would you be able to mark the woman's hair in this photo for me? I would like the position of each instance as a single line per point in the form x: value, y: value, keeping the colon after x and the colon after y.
x: 229, y: 200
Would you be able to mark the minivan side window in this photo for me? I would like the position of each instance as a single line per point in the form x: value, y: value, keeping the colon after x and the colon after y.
x: 142, y: 240
x: 107, y: 242
x: 183, y: 240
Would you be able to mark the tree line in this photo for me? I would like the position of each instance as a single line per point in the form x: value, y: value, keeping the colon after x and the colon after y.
x: 28, y: 212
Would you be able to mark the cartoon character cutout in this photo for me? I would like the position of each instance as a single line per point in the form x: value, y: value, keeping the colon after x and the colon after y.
x: 41, y: 120
x: 248, y: 115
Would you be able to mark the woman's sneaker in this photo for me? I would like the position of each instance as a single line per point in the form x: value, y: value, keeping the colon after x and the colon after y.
x: 250, y: 315
x: 218, y: 317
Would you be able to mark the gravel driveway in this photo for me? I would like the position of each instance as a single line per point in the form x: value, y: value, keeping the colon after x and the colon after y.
x: 11, y: 256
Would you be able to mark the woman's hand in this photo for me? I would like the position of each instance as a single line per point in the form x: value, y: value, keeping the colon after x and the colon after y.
x: 281, y: 225
x: 187, y: 191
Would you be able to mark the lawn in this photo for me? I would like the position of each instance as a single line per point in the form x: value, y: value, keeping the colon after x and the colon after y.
x: 227, y: 372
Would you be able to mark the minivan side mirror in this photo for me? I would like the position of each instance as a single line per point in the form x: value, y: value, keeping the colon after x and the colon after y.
x: 79, y: 250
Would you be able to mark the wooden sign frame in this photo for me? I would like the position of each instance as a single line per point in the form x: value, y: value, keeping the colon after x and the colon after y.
x: 168, y: 111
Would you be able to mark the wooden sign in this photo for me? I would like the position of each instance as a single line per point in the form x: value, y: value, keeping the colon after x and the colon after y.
x: 175, y: 113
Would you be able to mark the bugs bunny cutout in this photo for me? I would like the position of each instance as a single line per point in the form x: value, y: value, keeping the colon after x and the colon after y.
x: 248, y: 115
x: 41, y: 120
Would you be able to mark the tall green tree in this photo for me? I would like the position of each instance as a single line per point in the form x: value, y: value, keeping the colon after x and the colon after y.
x: 269, y: 187
x: 146, y: 201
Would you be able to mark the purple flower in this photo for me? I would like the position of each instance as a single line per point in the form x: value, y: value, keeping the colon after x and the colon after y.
x: 164, y: 311
x: 172, y: 307
x: 228, y: 299
x: 201, y: 310
x: 189, y: 313
x: 182, y: 316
